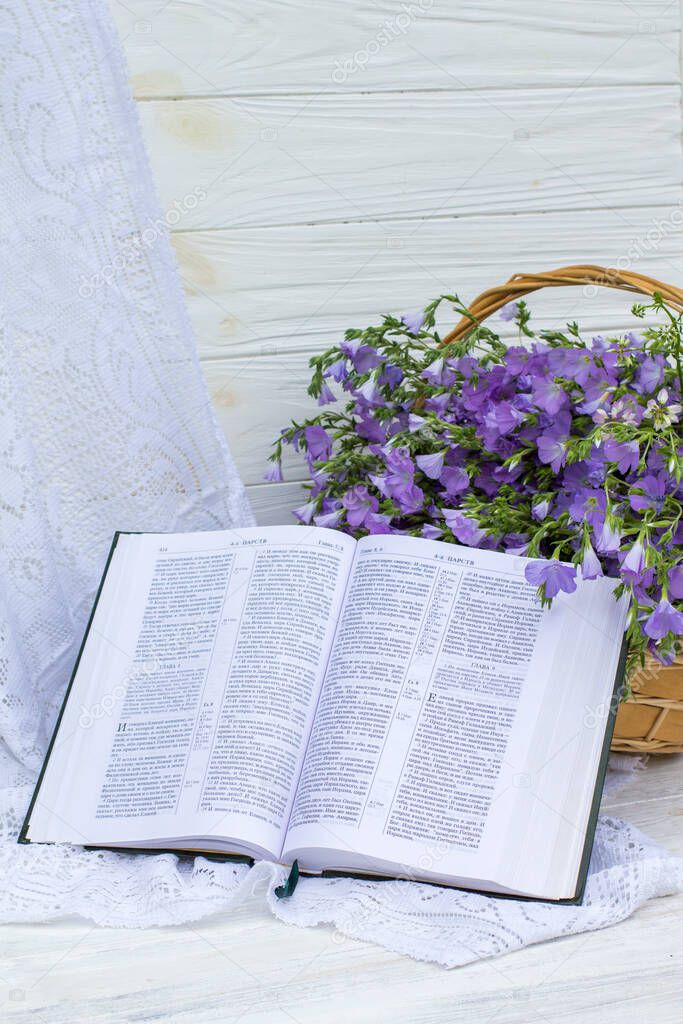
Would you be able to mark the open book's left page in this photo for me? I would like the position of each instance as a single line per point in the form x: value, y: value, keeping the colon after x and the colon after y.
x: 193, y: 698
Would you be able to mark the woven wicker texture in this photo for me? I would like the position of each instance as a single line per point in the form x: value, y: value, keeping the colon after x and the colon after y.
x: 651, y: 720
x: 520, y: 285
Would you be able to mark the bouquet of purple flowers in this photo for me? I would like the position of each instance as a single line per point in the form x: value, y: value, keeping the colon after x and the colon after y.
x: 564, y: 450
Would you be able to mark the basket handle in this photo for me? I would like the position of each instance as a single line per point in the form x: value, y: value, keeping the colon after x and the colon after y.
x: 522, y: 284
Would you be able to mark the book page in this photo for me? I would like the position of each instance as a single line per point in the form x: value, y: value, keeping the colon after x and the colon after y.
x: 193, y: 701
x: 432, y: 707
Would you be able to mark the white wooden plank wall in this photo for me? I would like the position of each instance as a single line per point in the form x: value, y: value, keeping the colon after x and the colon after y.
x: 329, y: 161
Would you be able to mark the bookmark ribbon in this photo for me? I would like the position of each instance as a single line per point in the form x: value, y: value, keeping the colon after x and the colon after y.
x: 285, y: 890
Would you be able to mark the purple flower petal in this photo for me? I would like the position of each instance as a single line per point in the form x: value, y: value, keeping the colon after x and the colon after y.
x: 329, y: 519
x: 413, y: 321
x: 318, y: 442
x: 549, y: 396
x: 274, y: 473
x: 463, y: 527
x: 540, y: 510
x: 305, y: 513
x: 399, y: 481
x: 337, y: 371
x: 363, y: 357
x: 370, y: 393
x: 625, y: 454
x: 664, y: 619
x: 431, y: 532
x: 455, y: 479
x: 509, y: 312
x: 371, y: 429
x: 552, y: 451
x: 634, y: 560
x: 358, y: 504
x: 432, y: 464
x: 676, y: 582
x: 557, y: 576
x: 591, y: 567
x: 326, y: 395
x: 376, y: 523
x: 608, y: 539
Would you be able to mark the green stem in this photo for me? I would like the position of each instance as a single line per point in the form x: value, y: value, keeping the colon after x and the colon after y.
x: 676, y: 327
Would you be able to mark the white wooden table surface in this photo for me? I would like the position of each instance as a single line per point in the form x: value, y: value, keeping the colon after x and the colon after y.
x: 247, y: 967
x: 320, y: 163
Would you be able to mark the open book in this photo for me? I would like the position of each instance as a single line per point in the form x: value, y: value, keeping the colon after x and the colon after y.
x: 393, y: 706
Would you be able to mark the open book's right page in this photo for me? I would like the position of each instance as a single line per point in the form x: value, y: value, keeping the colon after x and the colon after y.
x: 460, y: 725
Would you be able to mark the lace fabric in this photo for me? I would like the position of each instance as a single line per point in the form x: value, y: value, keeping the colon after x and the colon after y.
x: 105, y: 424
x: 452, y: 927
x: 105, y: 421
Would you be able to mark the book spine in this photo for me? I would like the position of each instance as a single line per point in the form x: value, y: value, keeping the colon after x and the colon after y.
x: 23, y: 834
x: 619, y: 683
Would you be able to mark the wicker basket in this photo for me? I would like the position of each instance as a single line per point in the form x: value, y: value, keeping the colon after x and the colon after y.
x: 651, y: 719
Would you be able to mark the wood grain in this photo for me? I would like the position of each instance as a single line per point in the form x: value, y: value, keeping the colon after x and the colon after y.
x: 282, y: 289
x: 273, y: 503
x: 223, y: 47
x: 481, y: 139
x: 260, y: 161
x: 264, y: 300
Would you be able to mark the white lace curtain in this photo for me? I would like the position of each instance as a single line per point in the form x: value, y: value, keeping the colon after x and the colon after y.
x: 105, y: 422
x: 105, y: 425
